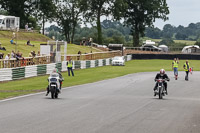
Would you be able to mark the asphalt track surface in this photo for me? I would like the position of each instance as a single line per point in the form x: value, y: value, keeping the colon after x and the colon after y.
x: 121, y: 105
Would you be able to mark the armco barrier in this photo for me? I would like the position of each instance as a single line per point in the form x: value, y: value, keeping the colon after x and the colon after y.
x: 166, y: 56
x: 8, y: 74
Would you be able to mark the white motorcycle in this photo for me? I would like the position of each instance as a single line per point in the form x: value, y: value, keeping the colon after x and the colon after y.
x: 55, y: 82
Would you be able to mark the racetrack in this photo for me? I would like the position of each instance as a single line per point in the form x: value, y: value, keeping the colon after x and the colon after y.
x: 120, y: 105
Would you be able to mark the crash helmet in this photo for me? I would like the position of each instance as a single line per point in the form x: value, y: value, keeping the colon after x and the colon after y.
x: 162, y: 72
x: 55, y: 70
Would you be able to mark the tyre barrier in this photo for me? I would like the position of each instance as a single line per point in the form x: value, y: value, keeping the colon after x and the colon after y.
x: 166, y: 56
x: 8, y: 74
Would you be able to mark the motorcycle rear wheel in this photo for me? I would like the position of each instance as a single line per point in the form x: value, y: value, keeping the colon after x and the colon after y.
x: 56, y: 95
x: 52, y: 95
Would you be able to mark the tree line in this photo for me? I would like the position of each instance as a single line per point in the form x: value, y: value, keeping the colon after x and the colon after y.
x: 135, y: 14
x: 190, y: 32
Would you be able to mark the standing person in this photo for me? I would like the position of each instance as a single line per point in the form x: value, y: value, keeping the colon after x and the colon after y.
x: 38, y: 54
x: 69, y: 67
x: 186, y: 66
x: 26, y: 27
x: 6, y: 62
x: 175, y: 67
x: 12, y: 54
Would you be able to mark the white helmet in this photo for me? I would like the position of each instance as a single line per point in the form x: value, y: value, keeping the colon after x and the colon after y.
x: 162, y: 71
x: 54, y: 70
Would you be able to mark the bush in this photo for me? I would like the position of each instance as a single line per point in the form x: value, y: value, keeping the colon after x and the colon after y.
x: 166, y: 41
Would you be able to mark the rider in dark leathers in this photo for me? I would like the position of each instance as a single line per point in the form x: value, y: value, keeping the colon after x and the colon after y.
x: 161, y: 75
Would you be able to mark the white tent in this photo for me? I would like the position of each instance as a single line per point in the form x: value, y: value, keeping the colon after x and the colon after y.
x: 164, y: 48
x: 188, y: 49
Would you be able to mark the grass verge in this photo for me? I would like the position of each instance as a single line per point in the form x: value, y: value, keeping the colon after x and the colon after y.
x: 37, y: 84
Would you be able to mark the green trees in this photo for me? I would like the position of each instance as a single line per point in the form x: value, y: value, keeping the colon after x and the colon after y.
x: 136, y: 14
x: 44, y: 11
x: 142, y: 13
x: 95, y: 9
x: 29, y: 11
x: 68, y: 15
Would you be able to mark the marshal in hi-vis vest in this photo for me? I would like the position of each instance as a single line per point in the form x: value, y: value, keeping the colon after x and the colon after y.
x: 186, y: 67
x: 175, y: 64
x: 69, y: 64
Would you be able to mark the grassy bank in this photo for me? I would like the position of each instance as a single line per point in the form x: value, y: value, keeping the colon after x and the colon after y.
x: 37, y: 84
x: 36, y: 39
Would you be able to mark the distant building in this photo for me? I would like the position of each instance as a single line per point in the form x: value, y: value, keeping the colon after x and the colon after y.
x: 9, y: 22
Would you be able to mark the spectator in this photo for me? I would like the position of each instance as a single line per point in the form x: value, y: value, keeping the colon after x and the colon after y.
x: 79, y: 52
x: 33, y: 54
x: 6, y: 62
x: 90, y: 41
x: 38, y: 54
x: 18, y: 55
x: 26, y: 27
x: 30, y: 29
x: 7, y: 57
x: 30, y: 54
x: 12, y: 54
x: 2, y: 48
x: 12, y: 41
x: 29, y: 43
x: 1, y: 55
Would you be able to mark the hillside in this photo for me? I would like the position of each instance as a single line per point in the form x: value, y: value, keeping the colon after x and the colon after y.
x: 36, y: 39
x: 24, y: 36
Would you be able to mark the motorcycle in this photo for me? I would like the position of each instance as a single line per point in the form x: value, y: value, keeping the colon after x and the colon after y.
x: 160, y: 91
x: 55, y: 82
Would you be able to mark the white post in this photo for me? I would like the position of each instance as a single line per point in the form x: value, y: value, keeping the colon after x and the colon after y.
x: 65, y: 51
x: 56, y: 51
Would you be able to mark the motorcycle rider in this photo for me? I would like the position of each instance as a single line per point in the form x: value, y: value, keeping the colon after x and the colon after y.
x: 161, y: 75
x: 55, y: 71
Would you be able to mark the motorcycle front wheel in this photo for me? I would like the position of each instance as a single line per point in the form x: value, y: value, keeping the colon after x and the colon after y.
x: 160, y: 93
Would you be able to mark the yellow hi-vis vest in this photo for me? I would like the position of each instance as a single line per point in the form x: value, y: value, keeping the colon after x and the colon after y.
x: 69, y: 64
x: 175, y: 64
x: 187, y: 67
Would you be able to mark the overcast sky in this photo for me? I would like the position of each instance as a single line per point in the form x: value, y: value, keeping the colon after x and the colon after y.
x: 182, y: 12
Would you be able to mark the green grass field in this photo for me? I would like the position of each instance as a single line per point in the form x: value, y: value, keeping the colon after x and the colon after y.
x: 36, y: 39
x: 177, y: 41
x: 37, y: 84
